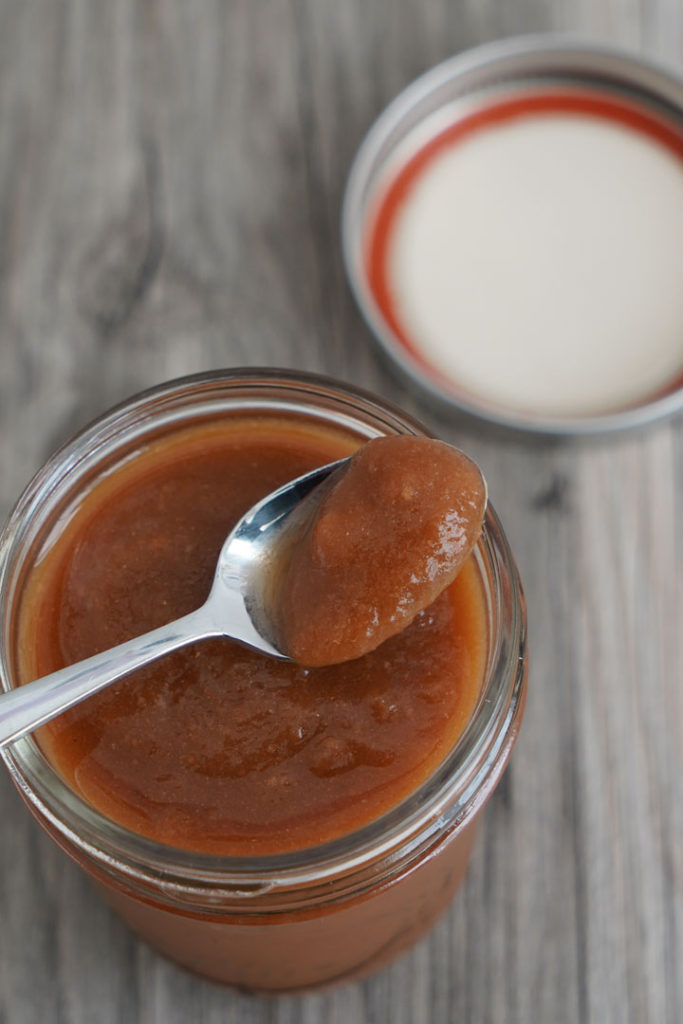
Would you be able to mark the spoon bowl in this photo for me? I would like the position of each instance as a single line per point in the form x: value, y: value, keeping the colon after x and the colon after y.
x: 239, y: 606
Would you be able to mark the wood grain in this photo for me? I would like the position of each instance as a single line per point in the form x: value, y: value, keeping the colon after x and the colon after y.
x: 170, y: 180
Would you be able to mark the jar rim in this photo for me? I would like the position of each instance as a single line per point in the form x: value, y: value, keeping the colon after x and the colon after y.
x: 463, y: 779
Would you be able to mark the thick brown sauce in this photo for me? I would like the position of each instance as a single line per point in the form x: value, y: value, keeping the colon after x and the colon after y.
x: 217, y: 748
x: 392, y: 530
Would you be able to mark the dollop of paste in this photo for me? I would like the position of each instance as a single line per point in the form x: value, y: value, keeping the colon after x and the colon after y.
x: 394, y: 526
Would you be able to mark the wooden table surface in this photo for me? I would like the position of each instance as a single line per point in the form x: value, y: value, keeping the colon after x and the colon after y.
x: 170, y: 182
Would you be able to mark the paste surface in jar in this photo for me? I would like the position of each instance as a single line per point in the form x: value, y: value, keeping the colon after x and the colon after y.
x: 216, y: 747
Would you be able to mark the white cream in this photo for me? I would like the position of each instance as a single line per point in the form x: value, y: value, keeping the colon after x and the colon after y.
x: 538, y: 263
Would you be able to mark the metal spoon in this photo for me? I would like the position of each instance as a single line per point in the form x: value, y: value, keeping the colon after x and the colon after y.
x: 238, y: 606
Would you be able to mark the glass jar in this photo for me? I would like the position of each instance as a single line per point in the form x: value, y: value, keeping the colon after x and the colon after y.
x: 291, y: 920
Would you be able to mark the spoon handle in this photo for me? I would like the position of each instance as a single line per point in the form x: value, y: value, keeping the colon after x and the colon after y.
x: 26, y: 707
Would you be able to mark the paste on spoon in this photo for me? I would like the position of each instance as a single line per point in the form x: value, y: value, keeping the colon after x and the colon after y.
x: 392, y: 531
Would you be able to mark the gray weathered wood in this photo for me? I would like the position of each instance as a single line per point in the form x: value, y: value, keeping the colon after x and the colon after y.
x: 170, y: 179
